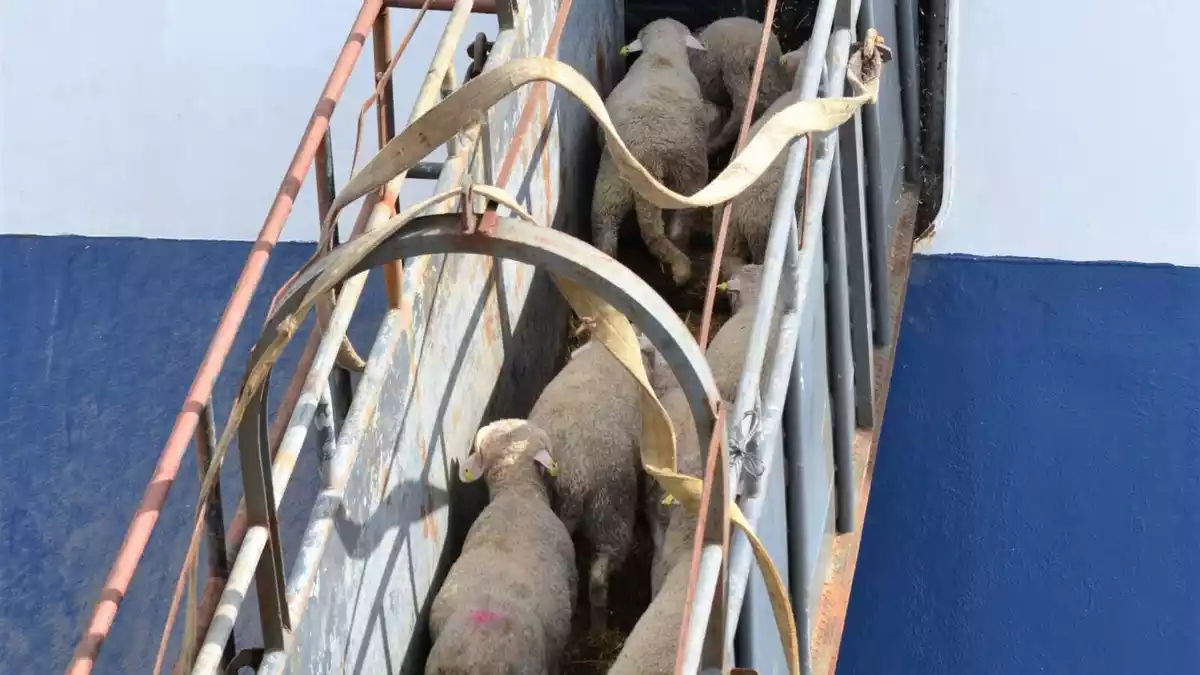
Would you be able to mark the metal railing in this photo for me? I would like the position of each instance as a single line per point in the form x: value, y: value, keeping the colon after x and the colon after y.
x: 319, y: 390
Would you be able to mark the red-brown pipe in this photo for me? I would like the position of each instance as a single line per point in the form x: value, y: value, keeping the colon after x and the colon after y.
x: 155, y: 495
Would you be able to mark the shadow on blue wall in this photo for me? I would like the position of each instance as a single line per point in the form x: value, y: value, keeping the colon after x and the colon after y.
x: 100, y: 340
x: 1036, y: 501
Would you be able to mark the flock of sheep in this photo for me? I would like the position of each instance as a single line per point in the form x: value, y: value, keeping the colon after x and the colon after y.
x: 507, y: 604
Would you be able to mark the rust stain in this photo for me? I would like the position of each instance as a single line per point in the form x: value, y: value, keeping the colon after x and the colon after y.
x: 422, y: 451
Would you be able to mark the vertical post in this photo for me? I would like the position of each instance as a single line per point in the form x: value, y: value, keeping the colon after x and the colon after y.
x: 385, y: 114
x: 880, y: 242
x: 214, y: 521
x: 910, y: 83
x: 269, y: 575
x: 340, y: 388
x: 837, y: 301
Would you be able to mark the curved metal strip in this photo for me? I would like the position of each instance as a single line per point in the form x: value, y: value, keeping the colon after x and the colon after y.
x: 516, y: 239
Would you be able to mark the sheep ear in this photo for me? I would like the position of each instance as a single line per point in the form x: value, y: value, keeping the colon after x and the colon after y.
x: 695, y: 44
x: 471, y: 468
x: 543, y: 457
x: 635, y: 46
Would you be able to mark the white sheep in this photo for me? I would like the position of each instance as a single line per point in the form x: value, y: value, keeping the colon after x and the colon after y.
x: 726, y: 352
x: 687, y: 462
x: 592, y: 413
x: 659, y: 113
x: 506, y: 604
x: 651, y: 647
x: 751, y: 211
x: 725, y: 68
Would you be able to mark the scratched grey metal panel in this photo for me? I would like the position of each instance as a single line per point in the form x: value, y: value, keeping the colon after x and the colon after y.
x: 810, y: 389
x: 758, y: 644
x: 482, y: 333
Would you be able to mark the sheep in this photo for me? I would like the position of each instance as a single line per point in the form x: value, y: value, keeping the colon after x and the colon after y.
x: 506, y: 604
x: 752, y: 210
x: 659, y: 113
x: 592, y: 413
x: 687, y: 462
x: 651, y: 646
x: 726, y: 65
x: 727, y: 351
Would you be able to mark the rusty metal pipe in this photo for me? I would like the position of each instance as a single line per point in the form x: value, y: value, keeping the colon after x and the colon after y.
x: 385, y: 117
x: 137, y: 536
x: 481, y: 6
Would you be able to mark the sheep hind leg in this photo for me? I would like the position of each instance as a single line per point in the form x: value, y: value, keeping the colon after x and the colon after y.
x: 611, y: 200
x: 598, y: 590
x: 650, y: 221
x: 688, y: 175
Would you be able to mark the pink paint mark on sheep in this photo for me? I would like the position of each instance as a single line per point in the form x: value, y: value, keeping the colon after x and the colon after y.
x: 483, y: 616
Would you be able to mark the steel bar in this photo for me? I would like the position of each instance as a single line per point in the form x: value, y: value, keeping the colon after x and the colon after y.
x: 214, y: 520
x: 259, y: 491
x: 837, y: 303
x: 481, y: 7
x: 341, y: 389
x: 385, y: 119
x: 910, y: 83
x: 877, y: 225
x: 157, y: 489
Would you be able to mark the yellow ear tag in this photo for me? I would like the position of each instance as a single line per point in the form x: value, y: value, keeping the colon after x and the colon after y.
x: 623, y: 51
x: 552, y: 469
x: 723, y: 286
x: 668, y: 500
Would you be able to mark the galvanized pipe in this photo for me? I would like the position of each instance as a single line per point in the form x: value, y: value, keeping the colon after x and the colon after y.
x: 208, y: 661
x: 158, y: 487
x: 841, y: 360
